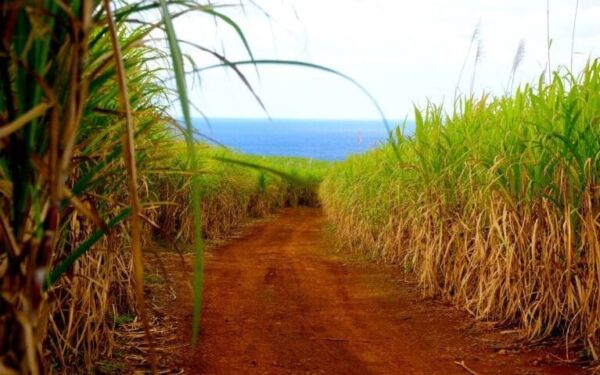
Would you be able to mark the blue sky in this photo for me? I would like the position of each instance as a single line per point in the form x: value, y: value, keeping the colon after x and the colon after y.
x: 403, y: 52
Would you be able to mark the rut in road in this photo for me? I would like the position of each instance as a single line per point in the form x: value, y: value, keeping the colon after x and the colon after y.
x: 278, y: 300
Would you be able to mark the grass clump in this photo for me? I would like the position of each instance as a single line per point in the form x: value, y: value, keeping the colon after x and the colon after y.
x: 494, y: 206
x: 120, y: 320
x: 111, y: 368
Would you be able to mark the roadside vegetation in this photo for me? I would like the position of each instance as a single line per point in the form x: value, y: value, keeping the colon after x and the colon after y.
x: 493, y: 206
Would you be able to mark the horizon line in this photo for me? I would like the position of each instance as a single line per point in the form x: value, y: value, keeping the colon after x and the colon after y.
x: 297, y: 119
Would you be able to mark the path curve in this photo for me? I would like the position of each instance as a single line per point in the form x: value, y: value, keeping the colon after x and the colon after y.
x: 278, y: 300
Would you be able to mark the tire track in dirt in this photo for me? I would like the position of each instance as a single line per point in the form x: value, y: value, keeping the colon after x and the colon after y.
x: 277, y: 300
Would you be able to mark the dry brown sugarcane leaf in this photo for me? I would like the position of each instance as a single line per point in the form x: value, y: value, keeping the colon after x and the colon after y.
x: 7, y: 233
x: 129, y: 156
x: 83, y: 209
x: 24, y: 119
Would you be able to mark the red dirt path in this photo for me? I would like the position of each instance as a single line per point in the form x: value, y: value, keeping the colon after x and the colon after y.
x: 277, y: 300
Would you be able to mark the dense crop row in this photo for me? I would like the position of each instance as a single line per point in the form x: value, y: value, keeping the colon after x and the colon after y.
x: 494, y: 206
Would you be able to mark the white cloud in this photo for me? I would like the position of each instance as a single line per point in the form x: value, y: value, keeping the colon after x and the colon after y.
x: 404, y: 52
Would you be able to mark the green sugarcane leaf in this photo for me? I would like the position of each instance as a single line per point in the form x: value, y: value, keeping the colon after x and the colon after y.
x: 177, y: 61
x: 83, y: 248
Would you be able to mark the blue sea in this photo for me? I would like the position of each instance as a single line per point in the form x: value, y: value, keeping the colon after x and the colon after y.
x: 317, y: 139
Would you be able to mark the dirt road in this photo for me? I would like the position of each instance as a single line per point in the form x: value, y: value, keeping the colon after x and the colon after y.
x: 278, y: 300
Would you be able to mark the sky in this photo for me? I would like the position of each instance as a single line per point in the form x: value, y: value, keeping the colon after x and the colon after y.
x: 405, y: 53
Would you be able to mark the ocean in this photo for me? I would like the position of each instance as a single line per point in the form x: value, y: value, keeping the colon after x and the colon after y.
x: 317, y: 139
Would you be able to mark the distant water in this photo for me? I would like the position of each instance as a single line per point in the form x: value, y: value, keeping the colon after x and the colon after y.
x: 318, y: 139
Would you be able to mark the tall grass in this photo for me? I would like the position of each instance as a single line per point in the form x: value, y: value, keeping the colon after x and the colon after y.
x: 63, y: 72
x: 231, y: 192
x: 494, y: 206
x: 90, y: 166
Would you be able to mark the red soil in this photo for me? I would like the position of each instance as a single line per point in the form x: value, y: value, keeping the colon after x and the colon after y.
x: 277, y: 300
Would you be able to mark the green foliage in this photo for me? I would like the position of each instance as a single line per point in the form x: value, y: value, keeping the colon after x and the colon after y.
x: 112, y: 367
x: 121, y: 319
x: 230, y: 192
